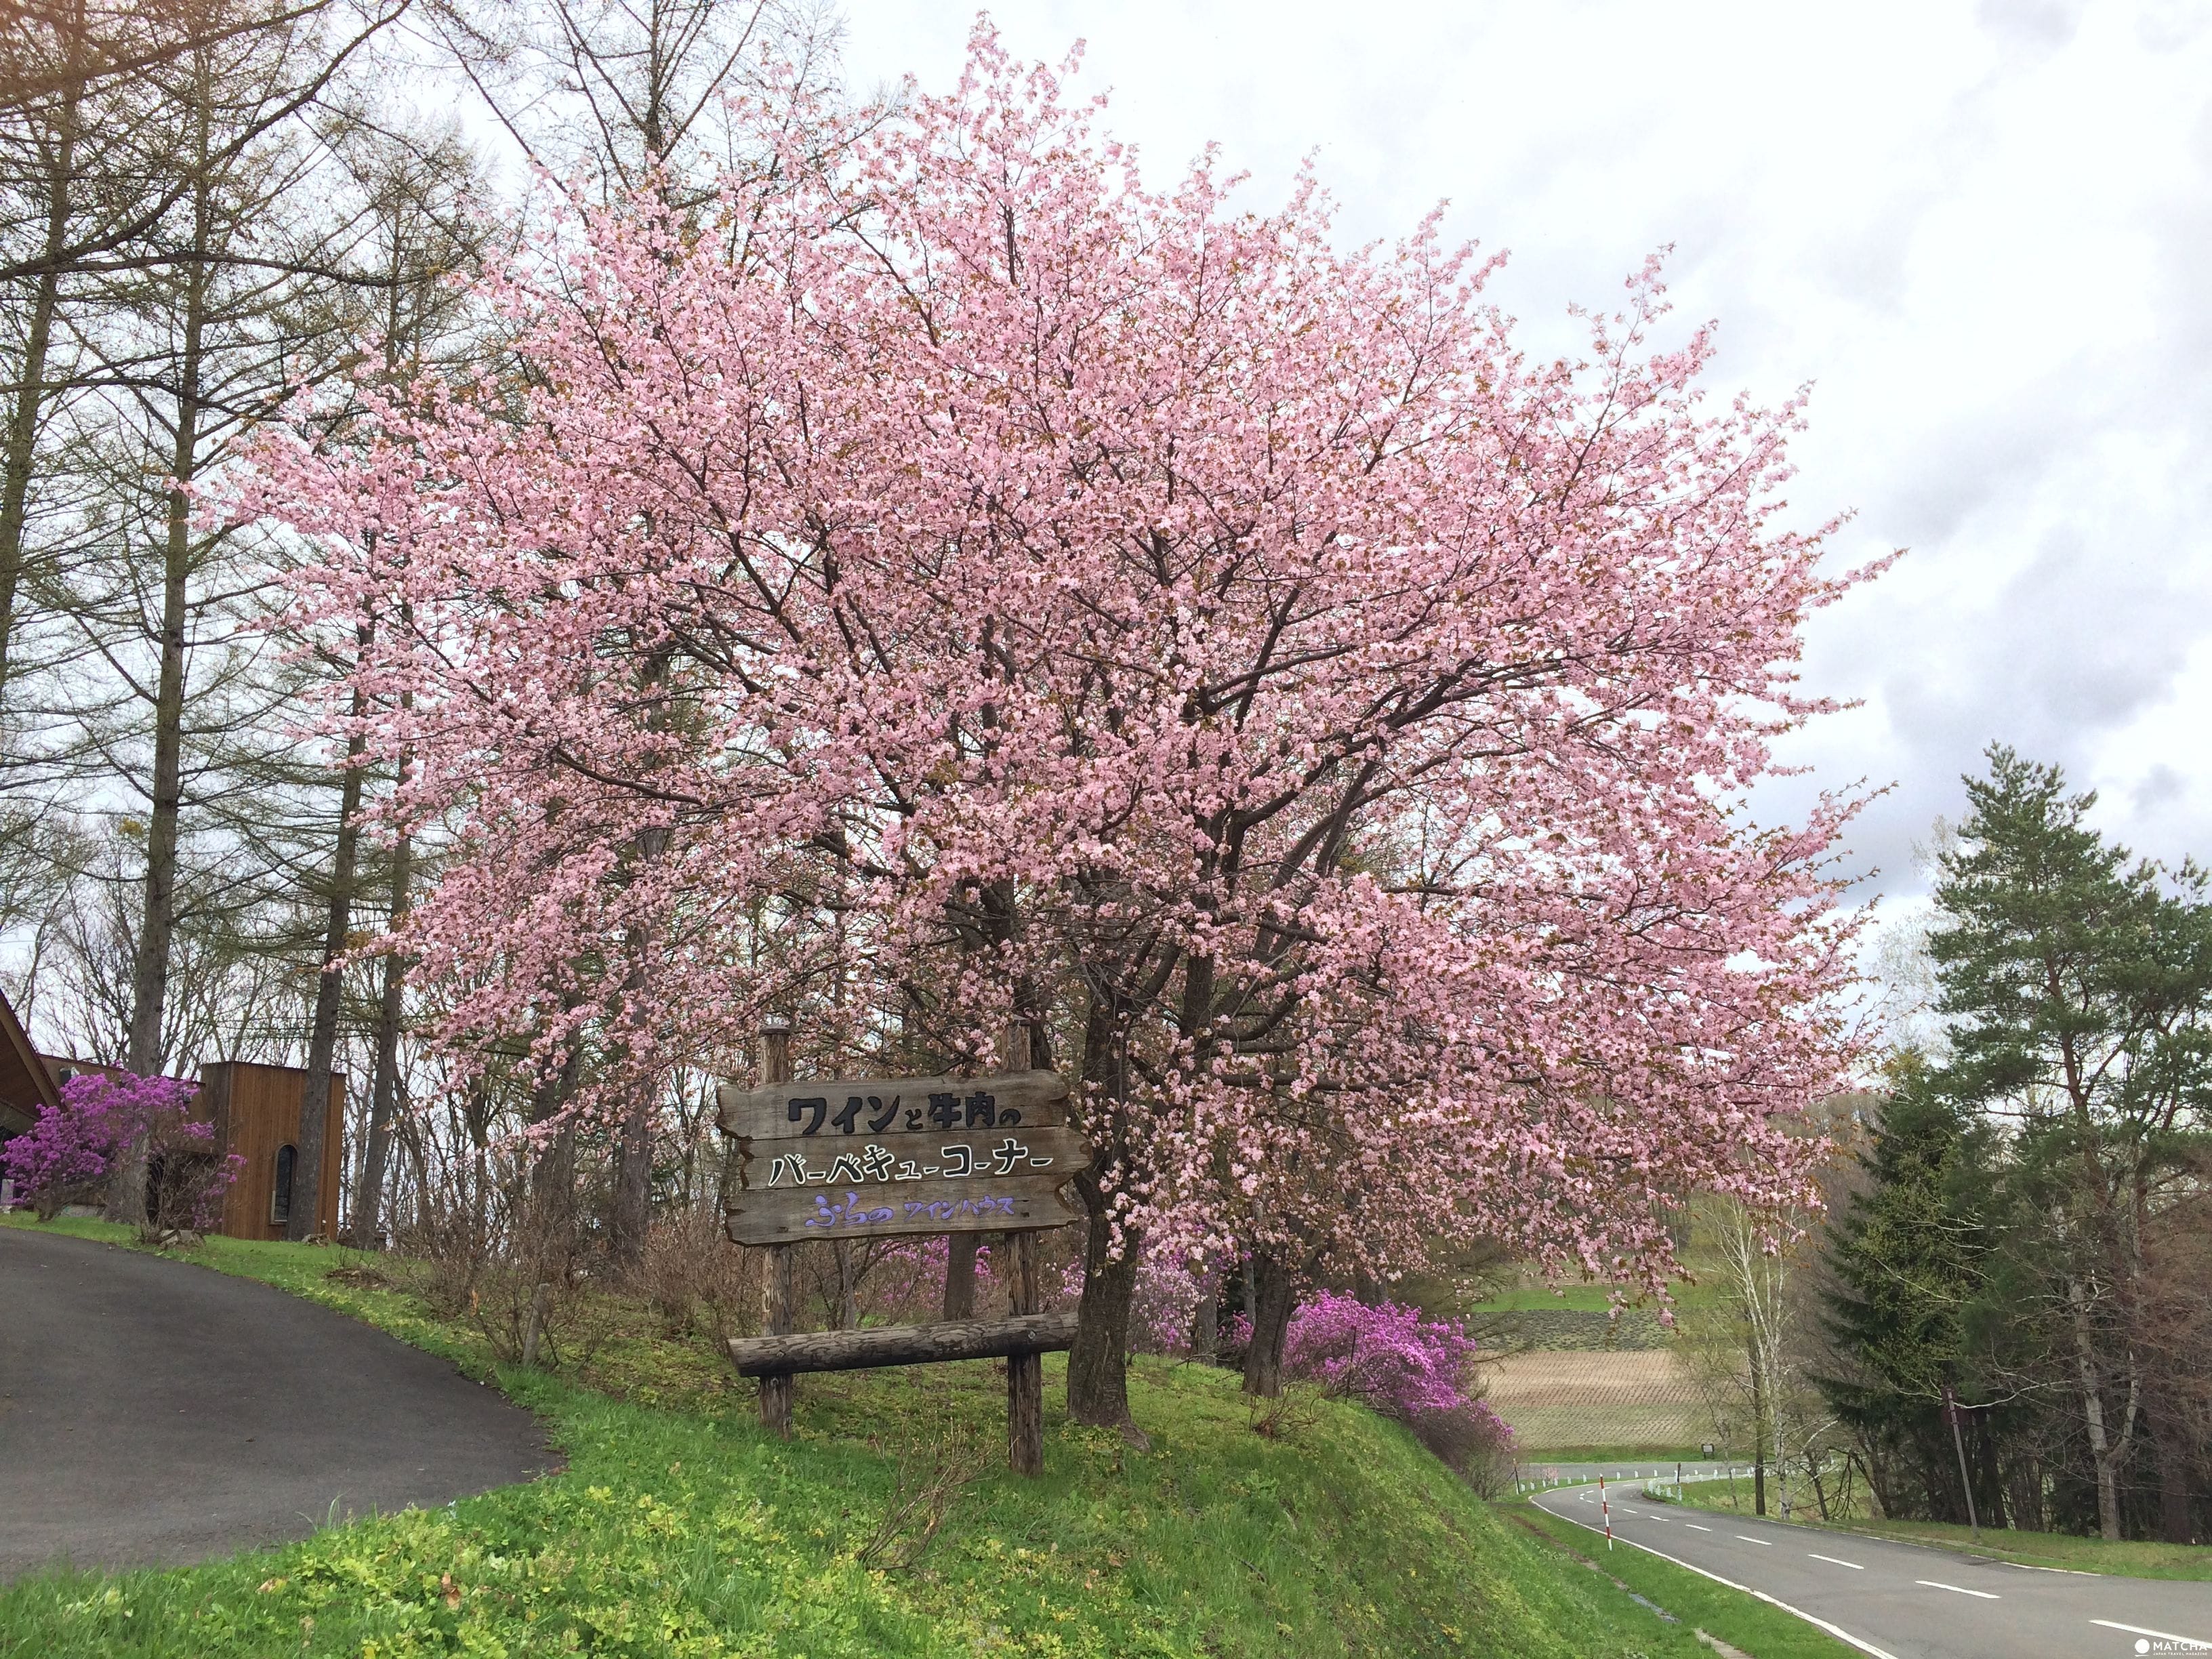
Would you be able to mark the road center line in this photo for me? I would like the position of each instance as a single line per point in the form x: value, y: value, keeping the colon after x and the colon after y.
x: 1836, y: 1631
x: 1694, y: 1526
x: 2163, y: 1636
x: 1834, y: 1561
x: 1763, y: 1543
x: 1986, y: 1596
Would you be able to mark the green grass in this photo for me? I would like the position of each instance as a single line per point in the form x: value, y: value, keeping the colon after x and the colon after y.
x: 2131, y: 1558
x: 1755, y: 1627
x: 1532, y: 1295
x: 678, y: 1529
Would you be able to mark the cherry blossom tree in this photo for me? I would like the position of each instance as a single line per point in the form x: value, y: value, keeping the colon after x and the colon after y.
x: 959, y: 584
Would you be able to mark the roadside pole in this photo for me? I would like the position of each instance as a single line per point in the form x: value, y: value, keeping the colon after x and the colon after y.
x: 1606, y: 1510
x: 1959, y: 1444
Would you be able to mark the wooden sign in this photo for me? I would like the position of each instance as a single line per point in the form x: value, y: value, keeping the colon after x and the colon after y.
x: 836, y: 1110
x: 840, y: 1160
x: 876, y: 1158
x: 895, y: 1209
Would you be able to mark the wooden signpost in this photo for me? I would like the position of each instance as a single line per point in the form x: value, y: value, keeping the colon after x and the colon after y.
x: 835, y: 1160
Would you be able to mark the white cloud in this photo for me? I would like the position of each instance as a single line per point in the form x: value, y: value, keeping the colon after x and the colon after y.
x: 1984, y: 231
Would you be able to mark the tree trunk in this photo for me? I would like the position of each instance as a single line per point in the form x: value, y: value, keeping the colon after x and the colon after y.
x: 2173, y: 1481
x: 629, y: 1205
x: 31, y: 388
x: 149, y: 977
x: 1274, y: 1294
x: 31, y: 391
x: 1759, y: 1430
x: 629, y: 1213
x: 848, y: 1300
x: 1098, y: 1364
x: 1989, y: 1471
x: 306, y: 1218
x: 553, y: 1176
x: 2107, y: 1450
x: 1025, y: 1370
x: 960, y: 1275
x: 384, y: 1084
x: 778, y: 1299
x: 1205, y: 1322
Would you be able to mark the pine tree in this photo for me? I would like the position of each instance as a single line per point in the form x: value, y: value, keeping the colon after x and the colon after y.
x: 2077, y: 983
x: 1909, y: 1261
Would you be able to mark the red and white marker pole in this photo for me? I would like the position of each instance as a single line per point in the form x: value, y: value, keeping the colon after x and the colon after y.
x: 1606, y: 1510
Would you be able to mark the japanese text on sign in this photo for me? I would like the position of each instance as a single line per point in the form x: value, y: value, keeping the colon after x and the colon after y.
x: 874, y: 1162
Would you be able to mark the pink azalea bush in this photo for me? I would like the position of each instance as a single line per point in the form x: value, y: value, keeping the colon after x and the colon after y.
x: 1385, y: 1356
x: 67, y: 1155
x: 1417, y: 1372
x: 65, y: 1152
x: 1164, y: 1305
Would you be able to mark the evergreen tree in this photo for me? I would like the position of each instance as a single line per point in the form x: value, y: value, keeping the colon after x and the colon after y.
x: 2077, y: 987
x: 1910, y: 1263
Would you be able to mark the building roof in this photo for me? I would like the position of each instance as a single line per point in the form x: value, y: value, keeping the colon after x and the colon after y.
x: 26, y: 1081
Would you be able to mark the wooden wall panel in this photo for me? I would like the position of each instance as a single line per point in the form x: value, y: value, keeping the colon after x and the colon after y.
x: 256, y: 1109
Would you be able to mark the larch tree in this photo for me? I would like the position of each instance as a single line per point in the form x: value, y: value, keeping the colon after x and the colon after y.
x: 218, y: 308
x: 1007, y: 591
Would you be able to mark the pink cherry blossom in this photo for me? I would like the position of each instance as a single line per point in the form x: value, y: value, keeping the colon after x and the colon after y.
x: 956, y: 579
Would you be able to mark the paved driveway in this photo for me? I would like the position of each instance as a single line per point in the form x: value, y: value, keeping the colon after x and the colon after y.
x: 1904, y: 1601
x: 156, y: 1412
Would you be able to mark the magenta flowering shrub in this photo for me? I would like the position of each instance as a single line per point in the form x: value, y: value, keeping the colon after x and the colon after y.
x: 1385, y: 1356
x: 1420, y: 1372
x: 1163, y: 1306
x: 903, y: 1283
x: 65, y: 1152
x: 66, y: 1155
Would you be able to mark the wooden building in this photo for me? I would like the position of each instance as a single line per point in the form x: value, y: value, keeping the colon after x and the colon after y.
x: 26, y: 1082
x: 255, y: 1110
x: 256, y: 1113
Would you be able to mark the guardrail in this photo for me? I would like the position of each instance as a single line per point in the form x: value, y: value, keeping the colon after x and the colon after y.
x: 1657, y: 1482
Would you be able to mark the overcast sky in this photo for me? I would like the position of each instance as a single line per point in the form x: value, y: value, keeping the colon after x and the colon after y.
x: 1982, y: 232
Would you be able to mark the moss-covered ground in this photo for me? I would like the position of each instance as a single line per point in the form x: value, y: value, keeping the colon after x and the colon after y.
x: 889, y: 1526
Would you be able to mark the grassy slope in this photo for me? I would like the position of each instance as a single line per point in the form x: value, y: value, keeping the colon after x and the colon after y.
x: 2130, y: 1559
x: 678, y: 1529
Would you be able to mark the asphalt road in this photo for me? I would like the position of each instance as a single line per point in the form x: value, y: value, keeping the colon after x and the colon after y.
x: 1905, y: 1601
x: 156, y: 1412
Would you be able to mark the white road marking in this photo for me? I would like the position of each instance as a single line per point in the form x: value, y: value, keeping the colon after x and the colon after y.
x: 1694, y: 1526
x: 1836, y: 1631
x: 2163, y: 1636
x: 1955, y: 1589
x: 1763, y: 1543
x: 1834, y: 1561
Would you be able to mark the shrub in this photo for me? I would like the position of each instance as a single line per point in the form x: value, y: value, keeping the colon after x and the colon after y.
x: 1387, y: 1356
x: 1163, y: 1305
x: 1419, y: 1372
x: 68, y: 1154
